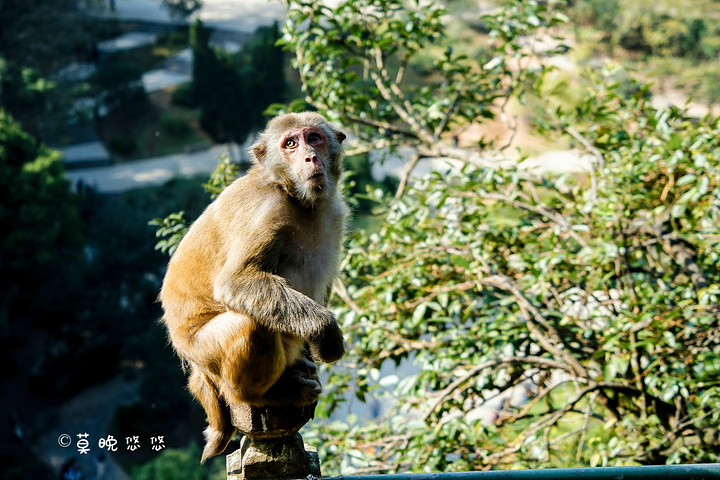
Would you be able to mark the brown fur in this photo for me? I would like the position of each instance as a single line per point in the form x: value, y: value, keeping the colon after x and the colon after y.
x: 247, y: 287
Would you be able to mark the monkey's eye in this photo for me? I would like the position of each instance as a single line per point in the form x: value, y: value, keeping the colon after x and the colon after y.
x: 290, y: 143
x: 314, y: 137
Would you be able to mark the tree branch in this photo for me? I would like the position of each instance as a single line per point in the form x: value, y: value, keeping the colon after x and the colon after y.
x: 551, y: 345
x: 345, y: 296
x: 379, y: 125
x: 447, y: 391
x: 443, y: 123
x: 409, y: 166
x: 557, y: 218
x: 397, y: 100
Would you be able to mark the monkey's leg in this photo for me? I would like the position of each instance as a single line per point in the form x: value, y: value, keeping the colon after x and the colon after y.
x: 251, y: 360
x: 247, y: 357
x: 220, y: 430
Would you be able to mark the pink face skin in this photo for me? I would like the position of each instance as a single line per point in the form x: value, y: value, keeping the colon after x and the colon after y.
x: 306, y: 150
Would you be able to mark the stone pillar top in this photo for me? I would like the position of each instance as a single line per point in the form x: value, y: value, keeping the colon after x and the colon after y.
x: 272, y: 448
x: 264, y: 423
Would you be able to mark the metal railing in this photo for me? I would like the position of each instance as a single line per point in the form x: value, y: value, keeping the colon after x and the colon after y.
x: 654, y: 472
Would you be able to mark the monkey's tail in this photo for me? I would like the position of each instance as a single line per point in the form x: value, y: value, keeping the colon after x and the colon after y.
x: 220, y: 429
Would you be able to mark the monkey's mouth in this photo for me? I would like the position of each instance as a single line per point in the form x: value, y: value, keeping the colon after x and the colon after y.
x: 316, y: 180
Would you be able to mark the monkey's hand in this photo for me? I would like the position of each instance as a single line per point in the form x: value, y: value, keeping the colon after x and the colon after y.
x: 328, y: 345
x: 307, y: 366
x: 296, y: 386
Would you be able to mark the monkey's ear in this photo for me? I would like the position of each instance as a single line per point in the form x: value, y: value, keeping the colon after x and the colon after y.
x: 259, y: 150
x: 340, y: 136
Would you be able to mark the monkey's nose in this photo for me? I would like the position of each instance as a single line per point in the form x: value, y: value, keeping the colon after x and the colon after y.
x: 312, y: 159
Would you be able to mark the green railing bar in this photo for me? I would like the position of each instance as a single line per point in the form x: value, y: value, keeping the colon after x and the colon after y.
x: 653, y: 472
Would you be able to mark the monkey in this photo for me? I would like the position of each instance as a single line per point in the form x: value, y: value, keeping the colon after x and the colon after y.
x: 244, y: 295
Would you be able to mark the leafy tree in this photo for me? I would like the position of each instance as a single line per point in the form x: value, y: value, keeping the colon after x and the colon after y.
x: 181, y: 9
x: 265, y: 71
x: 564, y: 320
x: 24, y: 94
x: 234, y: 90
x: 120, y: 83
x: 218, y: 88
x: 38, y: 217
x: 45, y: 34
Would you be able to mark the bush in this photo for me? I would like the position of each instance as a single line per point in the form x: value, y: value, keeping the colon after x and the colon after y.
x: 177, y: 38
x: 711, y: 46
x: 710, y: 80
x: 123, y: 145
x: 42, y: 238
x: 232, y: 91
x: 172, y: 464
x: 120, y: 83
x: 601, y: 13
x: 184, y: 96
x: 661, y: 34
x: 586, y: 306
x: 175, y: 124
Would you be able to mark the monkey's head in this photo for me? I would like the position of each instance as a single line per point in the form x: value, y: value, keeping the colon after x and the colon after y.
x: 302, y: 154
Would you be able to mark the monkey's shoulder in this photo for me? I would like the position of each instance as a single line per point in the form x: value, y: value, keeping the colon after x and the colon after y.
x: 249, y: 202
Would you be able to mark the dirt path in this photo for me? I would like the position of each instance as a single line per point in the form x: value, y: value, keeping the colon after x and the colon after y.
x: 91, y: 412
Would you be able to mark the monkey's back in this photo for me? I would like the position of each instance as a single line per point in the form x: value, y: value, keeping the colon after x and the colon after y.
x: 234, y: 218
x: 187, y: 292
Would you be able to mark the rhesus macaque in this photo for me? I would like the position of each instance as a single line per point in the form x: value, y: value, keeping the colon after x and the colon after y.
x: 245, y: 291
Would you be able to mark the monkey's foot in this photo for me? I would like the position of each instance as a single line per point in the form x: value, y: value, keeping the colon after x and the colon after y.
x: 295, y: 387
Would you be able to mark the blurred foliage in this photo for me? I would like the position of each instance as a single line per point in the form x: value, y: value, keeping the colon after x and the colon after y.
x: 184, y: 96
x: 264, y: 67
x: 24, y: 94
x: 181, y: 9
x: 79, y: 293
x: 123, y: 280
x: 548, y: 321
x: 175, y: 124
x: 41, y: 228
x: 218, y: 88
x: 119, y: 83
x: 105, y: 317
x: 46, y: 34
x: 172, y: 464
x: 232, y: 90
x: 675, y: 40
x: 665, y: 28
x: 123, y: 144
x: 359, y: 180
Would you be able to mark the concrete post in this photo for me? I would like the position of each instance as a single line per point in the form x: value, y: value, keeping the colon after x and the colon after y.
x: 272, y: 448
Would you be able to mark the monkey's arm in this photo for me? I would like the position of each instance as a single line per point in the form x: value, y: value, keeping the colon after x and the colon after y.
x: 271, y: 302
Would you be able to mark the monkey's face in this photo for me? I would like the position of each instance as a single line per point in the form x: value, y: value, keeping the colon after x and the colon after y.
x: 306, y: 153
x: 300, y: 152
